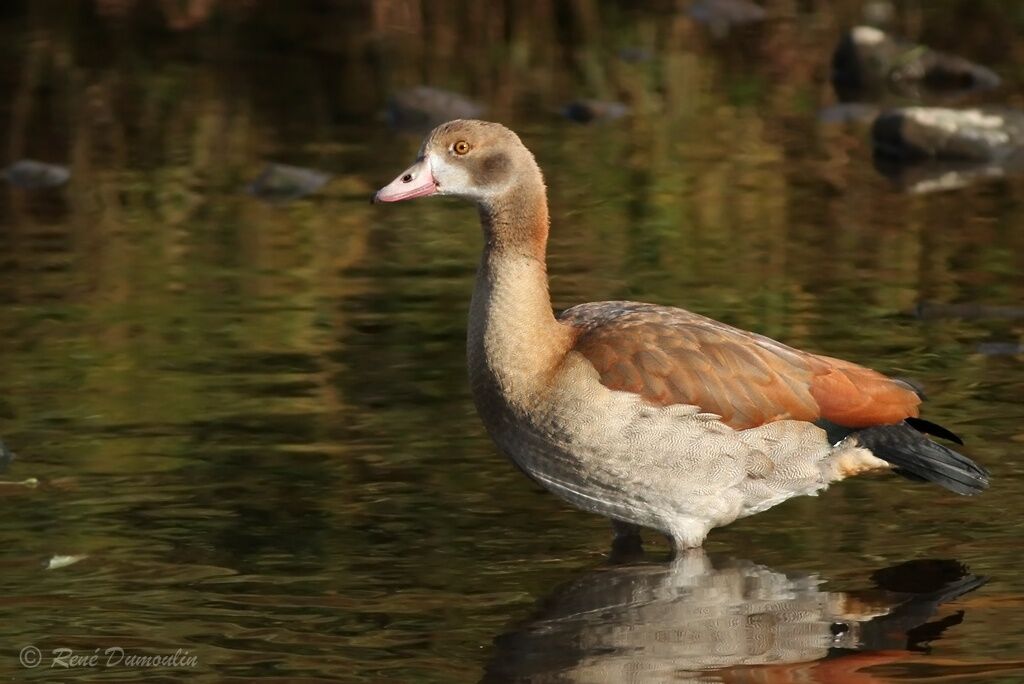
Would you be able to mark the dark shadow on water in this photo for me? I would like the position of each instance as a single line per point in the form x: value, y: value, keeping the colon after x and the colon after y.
x: 729, y: 620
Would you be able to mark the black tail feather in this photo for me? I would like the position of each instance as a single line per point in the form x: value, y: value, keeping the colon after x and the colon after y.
x: 918, y: 458
x: 930, y: 428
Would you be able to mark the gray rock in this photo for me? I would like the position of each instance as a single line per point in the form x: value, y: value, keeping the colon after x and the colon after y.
x: 870, y: 60
x: 844, y: 113
x: 34, y: 175
x: 281, y: 182
x: 423, y: 107
x: 721, y: 16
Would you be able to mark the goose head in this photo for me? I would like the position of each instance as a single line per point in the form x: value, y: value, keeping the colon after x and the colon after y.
x: 474, y: 160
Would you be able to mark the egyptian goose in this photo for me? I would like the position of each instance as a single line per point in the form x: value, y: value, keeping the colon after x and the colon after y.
x: 653, y: 416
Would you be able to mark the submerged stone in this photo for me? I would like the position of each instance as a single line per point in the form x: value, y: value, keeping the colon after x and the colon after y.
x: 588, y: 111
x: 954, y: 134
x: 34, y: 175
x: 423, y: 107
x: 868, y: 59
x: 284, y: 182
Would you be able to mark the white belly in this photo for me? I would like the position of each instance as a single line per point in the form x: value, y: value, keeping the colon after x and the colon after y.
x: 670, y: 468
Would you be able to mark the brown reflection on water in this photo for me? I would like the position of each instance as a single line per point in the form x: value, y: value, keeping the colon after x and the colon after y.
x: 730, y: 620
x: 261, y: 407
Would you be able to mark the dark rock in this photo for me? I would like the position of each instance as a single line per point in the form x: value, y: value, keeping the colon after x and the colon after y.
x: 281, y: 182
x: 423, y: 107
x: 34, y: 175
x: 588, y: 111
x: 869, y: 60
x: 933, y: 149
x: 987, y: 135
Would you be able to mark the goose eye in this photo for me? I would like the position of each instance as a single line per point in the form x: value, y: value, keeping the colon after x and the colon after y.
x: 461, y: 147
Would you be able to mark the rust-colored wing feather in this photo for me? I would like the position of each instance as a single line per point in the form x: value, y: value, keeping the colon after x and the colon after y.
x: 672, y: 356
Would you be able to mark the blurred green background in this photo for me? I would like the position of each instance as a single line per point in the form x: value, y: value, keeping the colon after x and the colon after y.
x: 252, y: 417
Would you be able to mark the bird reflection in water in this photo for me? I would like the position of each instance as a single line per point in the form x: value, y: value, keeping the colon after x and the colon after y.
x: 690, y: 621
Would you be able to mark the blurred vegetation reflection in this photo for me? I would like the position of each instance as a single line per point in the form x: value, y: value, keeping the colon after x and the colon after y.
x: 251, y: 416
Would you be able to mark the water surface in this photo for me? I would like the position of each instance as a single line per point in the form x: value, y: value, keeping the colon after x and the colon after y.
x: 251, y: 417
